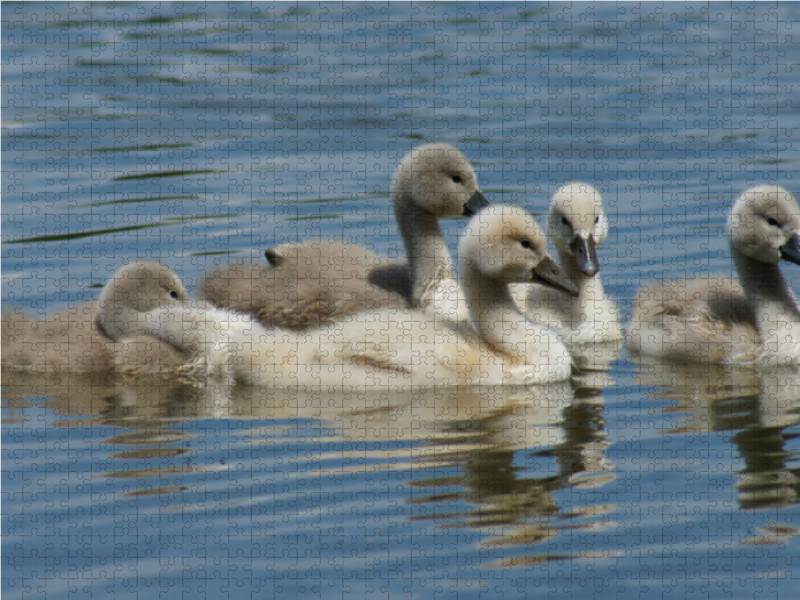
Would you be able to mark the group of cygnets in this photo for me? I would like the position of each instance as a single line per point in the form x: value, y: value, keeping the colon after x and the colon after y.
x: 325, y: 313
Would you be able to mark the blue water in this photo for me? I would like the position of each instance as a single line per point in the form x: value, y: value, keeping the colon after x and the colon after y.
x: 197, y: 134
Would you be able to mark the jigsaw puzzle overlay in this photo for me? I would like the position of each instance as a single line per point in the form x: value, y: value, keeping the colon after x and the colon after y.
x: 458, y: 300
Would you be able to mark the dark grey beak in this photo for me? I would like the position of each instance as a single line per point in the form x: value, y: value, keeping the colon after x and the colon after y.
x: 791, y: 250
x: 585, y: 255
x: 548, y: 273
x: 475, y: 204
x: 273, y: 256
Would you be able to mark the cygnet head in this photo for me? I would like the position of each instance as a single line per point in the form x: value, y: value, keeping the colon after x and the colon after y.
x: 577, y: 224
x: 140, y: 286
x: 505, y: 243
x: 437, y: 179
x: 277, y: 255
x: 764, y: 225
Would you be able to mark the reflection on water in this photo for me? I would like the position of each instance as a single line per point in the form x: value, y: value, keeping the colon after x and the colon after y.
x: 516, y: 506
x: 756, y: 405
x: 491, y: 459
x: 527, y: 476
x: 594, y: 358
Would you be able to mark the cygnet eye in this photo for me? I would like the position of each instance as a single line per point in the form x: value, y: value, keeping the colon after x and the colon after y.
x: 565, y: 221
x: 526, y: 244
x: 773, y: 223
x: 596, y: 220
x: 457, y: 179
x: 174, y: 294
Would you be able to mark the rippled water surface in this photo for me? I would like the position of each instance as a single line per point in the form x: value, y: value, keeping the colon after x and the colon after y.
x: 200, y: 134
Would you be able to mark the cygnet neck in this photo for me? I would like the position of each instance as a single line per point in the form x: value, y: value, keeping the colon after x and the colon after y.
x: 495, y: 315
x: 776, y: 312
x: 590, y: 289
x: 428, y: 254
x: 769, y: 296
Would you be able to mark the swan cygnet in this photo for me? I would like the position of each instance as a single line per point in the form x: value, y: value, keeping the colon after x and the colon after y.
x: 576, y: 225
x: 389, y: 347
x: 315, y: 283
x: 716, y: 319
x: 501, y: 245
x: 141, y: 306
x: 84, y: 339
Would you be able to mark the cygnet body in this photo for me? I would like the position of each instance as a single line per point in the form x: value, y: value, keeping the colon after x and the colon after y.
x: 128, y: 313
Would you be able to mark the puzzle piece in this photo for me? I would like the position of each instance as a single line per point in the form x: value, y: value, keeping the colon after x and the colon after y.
x: 251, y: 339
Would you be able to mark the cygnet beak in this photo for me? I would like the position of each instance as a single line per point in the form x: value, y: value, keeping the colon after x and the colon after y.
x: 548, y: 273
x: 475, y: 204
x: 791, y: 250
x: 585, y: 255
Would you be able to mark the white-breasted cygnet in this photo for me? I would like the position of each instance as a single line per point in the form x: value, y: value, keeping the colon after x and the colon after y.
x: 576, y: 225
